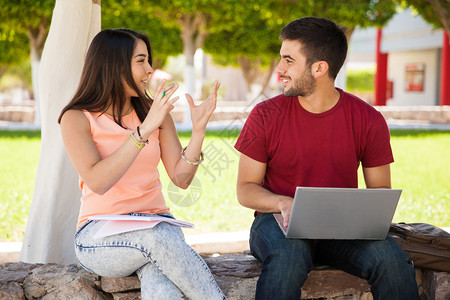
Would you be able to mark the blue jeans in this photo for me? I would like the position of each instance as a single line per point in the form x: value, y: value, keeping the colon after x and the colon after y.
x: 287, y: 262
x: 167, y: 267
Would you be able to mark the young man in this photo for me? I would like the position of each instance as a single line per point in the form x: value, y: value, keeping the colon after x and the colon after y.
x: 315, y: 135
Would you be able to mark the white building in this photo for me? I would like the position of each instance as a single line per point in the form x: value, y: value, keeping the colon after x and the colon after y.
x: 414, y: 51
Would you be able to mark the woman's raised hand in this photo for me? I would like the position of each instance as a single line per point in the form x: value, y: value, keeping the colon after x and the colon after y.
x: 161, y: 106
x: 200, y: 114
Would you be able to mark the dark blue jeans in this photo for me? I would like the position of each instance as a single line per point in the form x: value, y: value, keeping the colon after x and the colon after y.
x: 287, y: 262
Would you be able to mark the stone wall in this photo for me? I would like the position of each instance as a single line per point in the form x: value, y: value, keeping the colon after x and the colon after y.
x: 224, y: 112
x: 236, y: 274
x: 430, y: 114
x: 16, y: 113
x: 420, y: 114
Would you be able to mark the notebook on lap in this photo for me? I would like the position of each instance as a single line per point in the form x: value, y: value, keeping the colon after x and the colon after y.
x: 341, y: 213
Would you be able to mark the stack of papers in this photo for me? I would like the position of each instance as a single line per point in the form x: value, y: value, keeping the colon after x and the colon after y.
x: 116, y: 224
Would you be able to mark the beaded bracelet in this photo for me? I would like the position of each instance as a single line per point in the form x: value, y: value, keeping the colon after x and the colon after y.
x: 194, y: 163
x: 140, y: 137
x: 140, y: 146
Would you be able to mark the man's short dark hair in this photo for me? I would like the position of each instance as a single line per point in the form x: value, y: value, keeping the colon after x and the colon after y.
x: 321, y: 39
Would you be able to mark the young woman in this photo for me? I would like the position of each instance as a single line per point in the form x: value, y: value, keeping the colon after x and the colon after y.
x: 115, y: 136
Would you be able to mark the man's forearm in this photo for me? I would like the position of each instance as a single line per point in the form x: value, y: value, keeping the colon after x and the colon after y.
x: 254, y: 196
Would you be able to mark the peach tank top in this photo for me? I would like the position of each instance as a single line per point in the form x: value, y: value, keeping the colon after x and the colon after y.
x: 139, y: 189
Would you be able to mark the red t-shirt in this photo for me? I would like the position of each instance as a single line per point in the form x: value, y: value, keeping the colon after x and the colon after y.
x: 314, y: 150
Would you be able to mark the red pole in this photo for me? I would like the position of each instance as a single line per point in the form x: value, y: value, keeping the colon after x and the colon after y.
x: 381, y: 72
x: 445, y: 71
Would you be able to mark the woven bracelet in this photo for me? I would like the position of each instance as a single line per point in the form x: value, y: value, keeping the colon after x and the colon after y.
x: 140, y: 146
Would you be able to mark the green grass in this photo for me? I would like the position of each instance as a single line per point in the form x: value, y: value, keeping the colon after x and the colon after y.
x: 19, y: 157
x: 217, y: 208
x: 420, y: 169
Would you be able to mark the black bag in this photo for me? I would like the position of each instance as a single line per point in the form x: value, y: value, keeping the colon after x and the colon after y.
x: 428, y: 245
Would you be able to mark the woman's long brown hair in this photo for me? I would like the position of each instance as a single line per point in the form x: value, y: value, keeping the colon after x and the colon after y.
x: 106, y: 68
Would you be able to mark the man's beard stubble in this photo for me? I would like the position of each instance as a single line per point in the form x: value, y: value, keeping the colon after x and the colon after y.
x: 303, y: 87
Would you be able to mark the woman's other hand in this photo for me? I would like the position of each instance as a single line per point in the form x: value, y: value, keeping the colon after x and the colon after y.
x: 200, y: 114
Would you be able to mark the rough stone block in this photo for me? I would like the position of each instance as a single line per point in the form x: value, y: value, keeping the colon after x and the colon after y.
x: 236, y: 288
x: 34, y: 291
x: 122, y: 284
x: 11, y: 291
x: 127, y: 296
x: 8, y: 276
x: 235, y: 265
x: 237, y: 275
x: 333, y: 283
x: 48, y: 278
x: 436, y: 285
x: 78, y: 289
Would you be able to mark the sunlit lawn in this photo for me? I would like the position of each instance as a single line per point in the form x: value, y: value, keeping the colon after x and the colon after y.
x: 421, y: 169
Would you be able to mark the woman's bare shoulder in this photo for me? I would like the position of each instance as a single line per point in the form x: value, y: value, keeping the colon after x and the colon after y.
x: 74, y: 118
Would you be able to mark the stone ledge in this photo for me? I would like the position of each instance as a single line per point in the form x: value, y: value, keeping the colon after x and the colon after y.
x: 228, y: 111
x: 236, y: 274
x: 431, y: 114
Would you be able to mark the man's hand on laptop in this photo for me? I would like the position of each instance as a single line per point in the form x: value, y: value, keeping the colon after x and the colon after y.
x: 285, y: 206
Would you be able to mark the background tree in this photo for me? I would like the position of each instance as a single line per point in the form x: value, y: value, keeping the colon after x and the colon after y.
x: 196, y: 20
x: 140, y: 16
x: 24, y: 27
x: 14, y: 60
x: 13, y: 49
x: 435, y: 12
x: 32, y: 18
x: 251, y: 43
x: 252, y: 40
x: 29, y: 17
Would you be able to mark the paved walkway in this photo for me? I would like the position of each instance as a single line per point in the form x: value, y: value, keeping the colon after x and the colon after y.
x: 5, y: 125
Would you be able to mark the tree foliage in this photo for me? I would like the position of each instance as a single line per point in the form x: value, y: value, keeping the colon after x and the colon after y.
x: 251, y: 42
x: 14, y: 49
x: 140, y: 16
x: 27, y: 17
x: 24, y: 25
x: 435, y: 12
x: 252, y: 38
x: 198, y: 18
x: 234, y: 32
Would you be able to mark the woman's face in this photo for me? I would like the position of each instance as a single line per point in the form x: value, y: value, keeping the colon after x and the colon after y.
x: 140, y: 68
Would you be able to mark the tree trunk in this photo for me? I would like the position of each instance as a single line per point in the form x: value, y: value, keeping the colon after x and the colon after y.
x: 268, y: 75
x: 193, y: 34
x: 3, y: 70
x: 341, y: 79
x: 53, y: 215
x: 443, y: 14
x: 36, y: 37
x: 250, y: 70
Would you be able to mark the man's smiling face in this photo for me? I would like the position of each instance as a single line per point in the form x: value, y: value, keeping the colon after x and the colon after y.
x: 294, y: 70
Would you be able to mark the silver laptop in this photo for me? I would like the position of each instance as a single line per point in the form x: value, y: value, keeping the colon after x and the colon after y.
x: 341, y: 213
